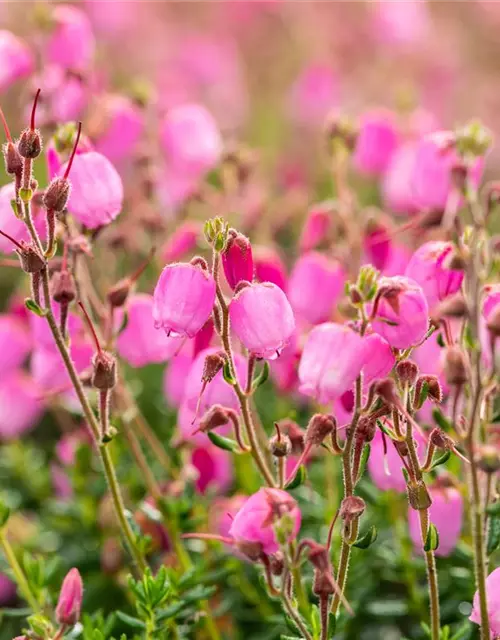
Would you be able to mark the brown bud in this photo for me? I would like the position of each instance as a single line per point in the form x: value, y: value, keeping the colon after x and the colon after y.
x: 386, y: 389
x: 352, y: 507
x: 320, y: 426
x: 323, y: 583
x: 418, y: 495
x: 434, y: 391
x: 457, y: 260
x: 104, y: 374
x: 452, y: 307
x: 213, y: 364
x: 488, y: 458
x: 366, y: 429
x: 56, y: 196
x: 31, y: 260
x: 277, y: 563
x: 63, y: 287
x: 216, y: 416
x: 13, y: 159
x: 401, y: 447
x: 280, y: 446
x: 355, y: 295
x: 493, y: 322
x: 441, y: 440
x: 319, y: 556
x: 295, y: 435
x: 407, y: 372
x: 118, y: 294
x: 30, y: 144
x: 456, y: 366
x: 252, y: 550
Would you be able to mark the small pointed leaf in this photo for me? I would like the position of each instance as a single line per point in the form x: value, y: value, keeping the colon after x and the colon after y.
x: 32, y: 306
x: 299, y: 478
x: 368, y: 539
x: 432, y: 540
x: 223, y: 443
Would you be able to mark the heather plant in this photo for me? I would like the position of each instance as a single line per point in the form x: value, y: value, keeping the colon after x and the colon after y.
x: 232, y: 410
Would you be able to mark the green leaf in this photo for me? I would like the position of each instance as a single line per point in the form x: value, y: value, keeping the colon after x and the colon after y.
x: 494, y: 509
x: 228, y: 376
x: 262, y: 377
x: 282, y: 637
x: 223, y: 443
x: 32, y: 306
x: 493, y: 535
x: 432, y: 539
x: 15, y: 209
x: 364, y: 459
x: 368, y: 539
x: 441, y: 460
x: 440, y: 419
x: 299, y: 478
x: 132, y: 622
x: 4, y: 514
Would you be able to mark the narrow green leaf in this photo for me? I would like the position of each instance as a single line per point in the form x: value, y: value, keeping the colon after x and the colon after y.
x: 32, y: 306
x: 493, y: 535
x: 368, y: 539
x: 432, y: 539
x: 16, y: 210
x: 440, y: 419
x: 364, y: 459
x: 228, y: 376
x: 132, y: 622
x: 223, y: 443
x: 262, y: 377
x: 299, y: 478
x: 441, y: 460
x: 494, y: 509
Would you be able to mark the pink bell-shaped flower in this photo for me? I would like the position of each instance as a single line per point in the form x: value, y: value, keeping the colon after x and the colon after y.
x: 316, y: 283
x: 262, y: 319
x: 139, y: 343
x: 183, y: 299
x: 237, y: 259
x: 71, y: 44
x: 428, y: 269
x: 96, y: 196
x: 16, y: 60
x: 446, y: 513
x: 182, y: 242
x: 176, y: 376
x: 332, y: 359
x: 261, y: 515
x: 317, y: 226
x: 190, y: 140
x: 376, y: 142
x: 379, y: 358
x: 313, y: 95
x: 11, y: 225
x: 69, y: 605
x: 493, y: 600
x: 402, y: 313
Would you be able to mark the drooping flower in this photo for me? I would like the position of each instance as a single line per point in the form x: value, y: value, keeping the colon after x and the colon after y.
x: 261, y: 515
x: 427, y: 267
x: 183, y: 299
x: 316, y: 283
x: 397, y: 183
x: 69, y: 605
x: 237, y: 259
x: 446, y: 513
x: 176, y: 376
x: 16, y: 60
x: 332, y: 359
x: 214, y: 466
x: 402, y: 312
x: 262, y: 319
x: 376, y: 142
x: 493, y: 600
x: 139, y: 343
x: 71, y: 45
x: 96, y: 196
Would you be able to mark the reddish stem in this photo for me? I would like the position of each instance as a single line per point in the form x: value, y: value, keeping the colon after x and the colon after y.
x: 138, y: 272
x: 91, y: 327
x: 207, y: 536
x: 73, y: 152
x: 6, y: 235
x: 33, y: 110
x: 5, y: 126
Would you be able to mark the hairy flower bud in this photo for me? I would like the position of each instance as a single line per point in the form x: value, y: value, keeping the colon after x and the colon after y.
x: 30, y: 144
x: 407, y: 372
x: 104, y: 375
x: 69, y: 604
x: 56, y: 196
x: 433, y: 387
x: 323, y: 583
x: 237, y: 259
x: 488, y: 458
x: 216, y: 416
x: 295, y: 434
x: 418, y: 495
x: 31, y: 260
x: 213, y: 364
x: 352, y: 507
x: 13, y: 159
x: 456, y: 366
x: 63, y: 286
x: 320, y: 426
x: 441, y: 440
x: 280, y: 446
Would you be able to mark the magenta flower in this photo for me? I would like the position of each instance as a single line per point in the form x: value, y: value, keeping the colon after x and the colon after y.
x: 7, y: 590
x: 317, y: 226
x: 402, y: 312
x: 190, y: 140
x: 269, y: 267
x: 377, y: 243
x: 427, y: 268
x: 124, y: 126
x: 313, y: 95
x: 493, y: 600
x: 182, y: 242
x: 397, y: 183
x: 222, y: 513
x: 176, y: 375
x: 401, y: 24
x: 261, y: 515
x: 376, y: 142
x: 16, y: 59
x: 332, y: 359
x: 446, y: 513
x: 96, y: 190
x: 183, y: 299
x: 379, y: 358
x: 262, y: 319
x: 69, y: 605
x: 15, y: 343
x: 214, y: 466
x: 20, y: 405
x: 139, y: 343
x: 316, y: 283
x: 237, y: 259
x: 71, y: 44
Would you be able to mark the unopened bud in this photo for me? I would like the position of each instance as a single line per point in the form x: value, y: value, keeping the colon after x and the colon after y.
x: 320, y: 426
x: 355, y: 296
x: 118, y: 294
x: 488, y: 458
x: 407, y: 372
x: 63, y: 287
x: 456, y: 367
x: 386, y: 389
x: 352, y: 507
x: 69, y: 604
x: 459, y: 172
x: 457, y: 260
x: 13, y: 159
x: 237, y: 259
x: 30, y: 144
x: 323, y: 583
x: 401, y: 447
x: 295, y: 434
x: 319, y: 556
x: 433, y: 387
x: 366, y: 429
x: 216, y: 416
x: 31, y: 260
x: 56, y: 196
x: 418, y: 495
x: 104, y: 375
x: 213, y: 364
x: 277, y: 563
x: 280, y: 446
x: 441, y: 440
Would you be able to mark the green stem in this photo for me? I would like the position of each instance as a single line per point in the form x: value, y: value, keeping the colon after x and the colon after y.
x: 431, y: 576
x: 19, y: 576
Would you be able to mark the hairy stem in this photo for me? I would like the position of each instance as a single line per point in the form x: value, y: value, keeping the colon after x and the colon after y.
x: 19, y: 575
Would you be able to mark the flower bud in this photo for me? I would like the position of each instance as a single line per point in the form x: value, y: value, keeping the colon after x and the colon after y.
x: 352, y: 507
x: 452, y: 307
x: 216, y: 416
x: 418, y: 495
x: 401, y: 447
x: 366, y: 429
x: 323, y: 583
x: 56, y: 196
x: 488, y: 458
x: 31, y: 260
x: 237, y: 259
x: 30, y: 144
x: 213, y: 364
x: 407, y: 372
x: 319, y: 556
x: 280, y: 446
x: 104, y: 375
x: 434, y: 391
x: 456, y: 366
x: 276, y: 563
x: 386, y: 389
x: 13, y: 159
x: 441, y: 440
x: 295, y: 434
x: 63, y: 286
x: 69, y: 604
x: 320, y: 426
